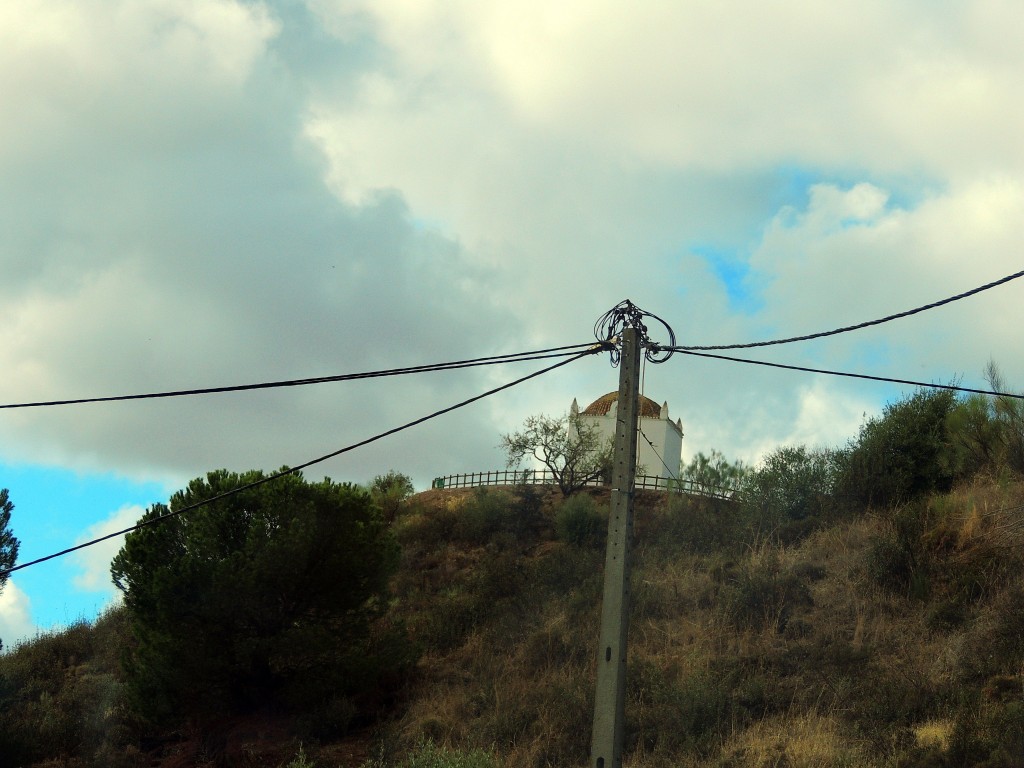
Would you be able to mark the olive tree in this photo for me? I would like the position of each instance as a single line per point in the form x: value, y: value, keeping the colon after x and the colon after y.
x: 389, y: 491
x: 569, y: 448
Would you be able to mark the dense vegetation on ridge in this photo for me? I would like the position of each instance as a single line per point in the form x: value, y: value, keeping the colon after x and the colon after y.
x: 854, y: 607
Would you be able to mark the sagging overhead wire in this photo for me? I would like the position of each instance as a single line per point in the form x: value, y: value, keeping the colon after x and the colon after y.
x: 519, y: 357
x: 672, y: 473
x: 803, y: 369
x: 592, y: 349
x: 858, y: 326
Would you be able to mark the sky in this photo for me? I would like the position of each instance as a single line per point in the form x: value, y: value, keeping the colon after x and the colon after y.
x: 198, y: 193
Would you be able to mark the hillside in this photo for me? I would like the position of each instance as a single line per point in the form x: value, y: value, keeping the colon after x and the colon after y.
x: 871, y: 638
x: 877, y: 639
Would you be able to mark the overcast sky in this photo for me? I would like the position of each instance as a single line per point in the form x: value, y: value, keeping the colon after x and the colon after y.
x: 208, y: 192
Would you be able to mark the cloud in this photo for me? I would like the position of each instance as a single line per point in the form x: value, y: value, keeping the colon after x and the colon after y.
x: 852, y: 254
x: 885, y: 258
x: 167, y: 226
x: 195, y: 194
x: 94, y: 562
x: 902, y: 89
x: 15, y: 615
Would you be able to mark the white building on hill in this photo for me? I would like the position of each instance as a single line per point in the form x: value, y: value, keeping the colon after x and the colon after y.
x: 660, y: 441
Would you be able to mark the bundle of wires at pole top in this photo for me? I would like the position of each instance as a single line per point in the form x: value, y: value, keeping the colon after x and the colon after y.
x: 624, y: 315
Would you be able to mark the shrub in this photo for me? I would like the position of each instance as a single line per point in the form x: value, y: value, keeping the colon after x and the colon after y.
x: 902, y: 455
x: 676, y: 712
x: 698, y: 524
x: 996, y: 645
x: 989, y: 737
x: 572, y: 572
x: 791, y: 493
x: 62, y: 699
x: 579, y: 522
x: 898, y: 560
x: 527, y: 510
x: 760, y: 593
x: 485, y: 513
x: 389, y: 491
x: 715, y: 472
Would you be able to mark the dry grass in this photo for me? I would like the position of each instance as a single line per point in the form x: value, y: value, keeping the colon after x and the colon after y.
x: 826, y: 667
x: 934, y: 733
x: 797, y: 740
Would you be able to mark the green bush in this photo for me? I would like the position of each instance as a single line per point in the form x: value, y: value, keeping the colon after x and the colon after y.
x: 997, y: 648
x: 902, y: 455
x: 485, y: 513
x: 424, y: 529
x: 579, y: 521
x: 791, y: 493
x: 527, y: 511
x: 698, y: 524
x: 570, y: 572
x: 263, y: 597
x: 990, y: 736
x: 62, y: 698
x: 715, y: 472
x: 389, y: 491
x: 987, y: 432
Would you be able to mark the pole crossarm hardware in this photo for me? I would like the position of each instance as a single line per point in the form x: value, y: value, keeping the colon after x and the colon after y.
x: 609, y: 327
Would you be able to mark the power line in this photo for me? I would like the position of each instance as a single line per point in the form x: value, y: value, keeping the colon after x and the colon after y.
x: 672, y: 472
x: 518, y: 357
x: 686, y: 351
x: 856, y: 327
x: 593, y: 349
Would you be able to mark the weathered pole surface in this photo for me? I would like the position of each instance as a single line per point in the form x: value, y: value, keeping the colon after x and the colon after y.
x: 610, y: 701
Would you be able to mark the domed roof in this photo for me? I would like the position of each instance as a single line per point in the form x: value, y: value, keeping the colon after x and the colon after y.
x: 600, y: 407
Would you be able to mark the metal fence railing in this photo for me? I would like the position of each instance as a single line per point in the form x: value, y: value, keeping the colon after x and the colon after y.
x: 547, y: 477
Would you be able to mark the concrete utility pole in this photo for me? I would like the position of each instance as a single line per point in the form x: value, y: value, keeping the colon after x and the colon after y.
x: 610, y: 702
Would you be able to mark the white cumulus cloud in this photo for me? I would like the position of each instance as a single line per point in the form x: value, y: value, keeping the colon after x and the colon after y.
x: 93, y: 562
x: 15, y: 615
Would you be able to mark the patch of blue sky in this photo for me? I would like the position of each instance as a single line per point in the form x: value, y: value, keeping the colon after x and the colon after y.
x: 788, y: 187
x: 733, y: 271
x: 53, y: 507
x: 785, y: 188
x: 792, y: 184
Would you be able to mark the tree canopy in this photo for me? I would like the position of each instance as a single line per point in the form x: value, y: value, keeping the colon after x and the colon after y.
x: 265, y: 597
x: 570, y: 449
x: 390, y: 490
x: 8, y: 543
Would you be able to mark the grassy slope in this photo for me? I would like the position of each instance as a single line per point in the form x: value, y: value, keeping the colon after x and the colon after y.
x: 878, y: 640
x: 881, y: 639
